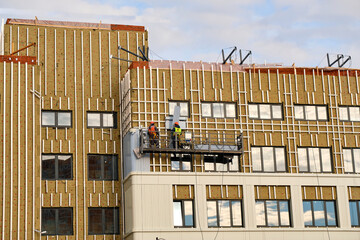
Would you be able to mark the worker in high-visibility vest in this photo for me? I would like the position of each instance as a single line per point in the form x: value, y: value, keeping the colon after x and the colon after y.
x: 175, y: 135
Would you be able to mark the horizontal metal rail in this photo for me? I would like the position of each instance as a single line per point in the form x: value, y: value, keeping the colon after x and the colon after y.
x: 188, y: 142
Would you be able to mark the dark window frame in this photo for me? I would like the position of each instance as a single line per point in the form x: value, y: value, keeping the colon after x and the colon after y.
x: 348, y: 112
x: 321, y: 160
x: 226, y: 163
x: 274, y: 156
x: 181, y: 160
x: 271, y: 111
x: 316, y: 112
x: 357, y: 203
x: 231, y: 213
x: 278, y: 213
x: 352, y: 161
x: 56, y: 125
x: 103, y: 221
x: 178, y: 104
x: 183, y: 212
x: 101, y: 119
x: 57, y: 167
x: 56, y: 209
x: 325, y: 213
x: 115, y: 162
x: 225, y: 114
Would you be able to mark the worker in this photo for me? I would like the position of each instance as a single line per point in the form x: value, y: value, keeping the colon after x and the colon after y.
x: 153, y: 133
x: 175, y: 135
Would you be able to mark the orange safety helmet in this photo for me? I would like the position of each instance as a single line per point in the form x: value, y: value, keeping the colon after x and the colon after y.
x: 176, y: 123
x: 152, y: 122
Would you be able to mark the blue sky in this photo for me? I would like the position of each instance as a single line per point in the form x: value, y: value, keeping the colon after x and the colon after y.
x: 278, y: 31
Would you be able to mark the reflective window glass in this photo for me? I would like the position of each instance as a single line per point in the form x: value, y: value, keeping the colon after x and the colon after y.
x: 230, y: 110
x: 218, y: 110
x: 95, y: 220
x: 314, y: 159
x: 260, y: 213
x: 354, y: 213
x: 175, y: 165
x: 319, y: 213
x: 236, y: 213
x: 310, y: 112
x: 253, y: 111
x: 48, y: 118
x: 277, y: 112
x: 308, y: 217
x: 188, y: 213
x: 299, y: 112
x: 265, y: 111
x: 209, y: 166
x: 206, y: 109
x: 184, y: 109
x: 224, y: 212
x: 256, y: 158
x: 354, y: 113
x: 234, y: 164
x: 172, y: 107
x: 268, y: 159
x: 357, y: 159
x: 56, y: 167
x: 330, y: 213
x: 280, y: 159
x: 272, y: 213
x: 93, y: 120
x: 284, y: 213
x: 348, y: 160
x: 48, y: 221
x: 322, y: 113
x: 64, y: 119
x: 325, y: 159
x: 212, y: 214
x: 343, y: 112
x: 303, y: 160
x: 108, y: 119
x: 178, y: 222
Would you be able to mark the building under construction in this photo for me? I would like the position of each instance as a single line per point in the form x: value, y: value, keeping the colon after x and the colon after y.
x: 266, y: 151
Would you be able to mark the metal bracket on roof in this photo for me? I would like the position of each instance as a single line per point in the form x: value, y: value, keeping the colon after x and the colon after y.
x: 340, y: 59
x: 144, y: 56
x: 248, y: 54
x: 229, y: 56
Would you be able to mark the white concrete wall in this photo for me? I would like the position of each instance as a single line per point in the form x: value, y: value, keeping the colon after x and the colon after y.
x: 149, y: 214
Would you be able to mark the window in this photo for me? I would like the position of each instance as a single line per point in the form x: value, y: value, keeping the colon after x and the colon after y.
x: 272, y: 213
x: 224, y: 213
x: 355, y: 213
x: 265, y: 111
x: 101, y: 120
x: 184, y: 108
x: 351, y: 159
x: 311, y: 112
x: 56, y: 167
x: 221, y: 163
x: 314, y: 159
x: 183, y: 213
x: 319, y: 213
x: 103, y: 167
x: 61, y: 119
x: 218, y: 110
x: 57, y: 221
x: 103, y: 220
x: 181, y: 163
x: 268, y: 159
x: 349, y: 113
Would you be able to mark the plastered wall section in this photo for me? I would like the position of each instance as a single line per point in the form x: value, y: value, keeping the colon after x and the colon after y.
x: 151, y: 89
x: 74, y: 72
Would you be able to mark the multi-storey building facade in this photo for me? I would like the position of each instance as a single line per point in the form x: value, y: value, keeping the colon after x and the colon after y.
x: 294, y: 177
x: 60, y: 137
x: 266, y: 152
